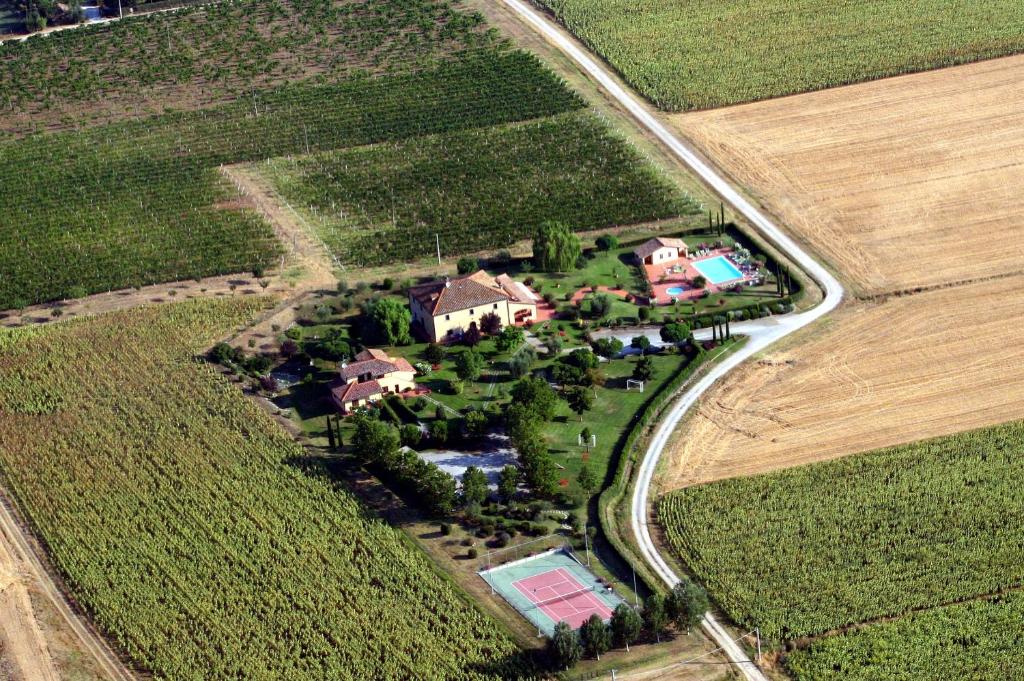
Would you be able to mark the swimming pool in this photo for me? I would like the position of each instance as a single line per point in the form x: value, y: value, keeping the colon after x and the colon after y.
x: 674, y: 291
x: 718, y: 270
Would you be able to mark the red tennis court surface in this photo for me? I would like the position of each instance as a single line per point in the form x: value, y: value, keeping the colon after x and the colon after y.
x: 560, y: 596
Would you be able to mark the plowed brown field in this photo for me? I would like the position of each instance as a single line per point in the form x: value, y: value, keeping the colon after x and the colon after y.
x: 899, y: 184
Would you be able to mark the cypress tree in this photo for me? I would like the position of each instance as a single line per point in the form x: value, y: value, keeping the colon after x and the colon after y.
x: 330, y: 434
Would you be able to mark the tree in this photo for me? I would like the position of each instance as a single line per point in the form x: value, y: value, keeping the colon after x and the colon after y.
x: 539, y: 468
x: 607, y: 347
x: 595, y: 635
x: 582, y: 358
x: 536, y: 395
x: 510, y: 338
x: 699, y: 282
x: 433, y: 353
x: 390, y: 319
x: 474, y: 486
x: 641, y: 343
x: 644, y: 369
x: 335, y: 345
x: 587, y: 479
x: 521, y: 362
x: 686, y: 604
x: 564, y: 646
x: 675, y: 332
x: 475, y: 423
x: 490, y: 323
x: 626, y: 625
x: 469, y: 364
x: 607, y: 242
x: 555, y: 248
x: 410, y: 434
x: 472, y: 335
x: 654, y: 615
x: 436, y: 490
x: 580, y: 399
x: 374, y: 441
x: 508, y: 483
x: 439, y: 431
x: 600, y: 305
x: 553, y: 345
x: 467, y: 265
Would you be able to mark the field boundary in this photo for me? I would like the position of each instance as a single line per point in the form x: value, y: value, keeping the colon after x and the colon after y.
x: 834, y: 293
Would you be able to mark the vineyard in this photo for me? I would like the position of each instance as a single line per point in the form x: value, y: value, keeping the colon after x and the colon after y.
x: 978, y: 640
x: 476, y: 189
x: 685, y: 54
x: 142, y: 202
x: 201, y: 56
x: 807, y: 550
x: 185, y: 522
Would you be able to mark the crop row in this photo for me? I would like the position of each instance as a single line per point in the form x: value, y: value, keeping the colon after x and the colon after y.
x: 811, y: 549
x: 691, y: 54
x: 476, y: 189
x: 978, y: 640
x: 228, y: 49
x: 142, y: 202
x: 185, y: 522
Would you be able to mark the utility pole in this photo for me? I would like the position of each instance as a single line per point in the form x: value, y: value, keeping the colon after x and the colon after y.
x: 636, y: 595
x: 438, y: 240
x: 757, y: 631
x: 120, y: 14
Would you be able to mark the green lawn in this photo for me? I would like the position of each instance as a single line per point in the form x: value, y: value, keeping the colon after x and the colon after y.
x: 693, y: 54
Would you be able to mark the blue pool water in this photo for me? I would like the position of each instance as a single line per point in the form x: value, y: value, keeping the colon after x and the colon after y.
x: 674, y: 291
x: 718, y: 270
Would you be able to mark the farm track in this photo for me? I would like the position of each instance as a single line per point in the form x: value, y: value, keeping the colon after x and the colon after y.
x: 927, y: 349
x: 760, y: 337
x: 90, y: 639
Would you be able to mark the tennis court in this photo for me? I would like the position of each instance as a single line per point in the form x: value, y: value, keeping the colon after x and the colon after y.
x: 552, y: 587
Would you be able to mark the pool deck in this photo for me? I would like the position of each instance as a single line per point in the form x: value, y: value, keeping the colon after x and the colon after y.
x: 662, y: 278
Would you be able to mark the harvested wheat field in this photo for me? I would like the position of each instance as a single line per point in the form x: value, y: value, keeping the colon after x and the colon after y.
x: 901, y: 183
x: 877, y: 374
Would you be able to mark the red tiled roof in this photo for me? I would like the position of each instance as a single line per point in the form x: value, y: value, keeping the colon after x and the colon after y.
x: 372, y: 353
x: 350, y: 392
x: 374, y: 367
x: 462, y: 293
x: 651, y: 245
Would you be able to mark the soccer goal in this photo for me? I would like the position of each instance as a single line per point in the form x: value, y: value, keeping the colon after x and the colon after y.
x: 632, y: 383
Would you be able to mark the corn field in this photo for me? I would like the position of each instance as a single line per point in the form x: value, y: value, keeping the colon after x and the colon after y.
x: 186, y: 523
x: 978, y: 640
x: 477, y: 189
x: 807, y: 550
x: 693, y: 54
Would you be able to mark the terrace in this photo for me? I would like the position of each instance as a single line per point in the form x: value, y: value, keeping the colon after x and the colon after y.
x: 709, y: 269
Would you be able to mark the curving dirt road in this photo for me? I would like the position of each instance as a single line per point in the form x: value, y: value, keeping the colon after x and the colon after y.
x: 761, y: 335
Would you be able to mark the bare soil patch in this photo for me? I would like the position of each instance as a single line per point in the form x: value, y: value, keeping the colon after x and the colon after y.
x: 876, y: 374
x: 901, y: 183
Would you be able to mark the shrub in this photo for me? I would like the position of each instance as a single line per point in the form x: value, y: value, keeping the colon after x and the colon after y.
x: 472, y: 553
x: 446, y: 528
x: 607, y: 242
x: 467, y: 265
x: 502, y: 539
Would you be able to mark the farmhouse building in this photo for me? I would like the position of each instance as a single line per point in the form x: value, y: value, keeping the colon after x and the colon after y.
x: 370, y: 377
x: 443, y: 310
x: 660, y: 249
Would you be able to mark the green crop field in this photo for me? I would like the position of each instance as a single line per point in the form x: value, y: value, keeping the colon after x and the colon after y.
x: 476, y: 189
x: 187, y: 524
x: 686, y: 54
x: 811, y: 549
x: 143, y: 202
x: 977, y: 640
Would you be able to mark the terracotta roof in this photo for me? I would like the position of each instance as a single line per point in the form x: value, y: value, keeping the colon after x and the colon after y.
x: 350, y: 392
x: 372, y: 353
x: 517, y: 291
x: 651, y: 245
x: 461, y: 293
